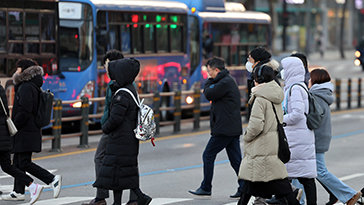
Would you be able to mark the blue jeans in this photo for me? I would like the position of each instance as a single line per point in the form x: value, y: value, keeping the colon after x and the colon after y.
x: 342, y: 191
x: 215, y: 145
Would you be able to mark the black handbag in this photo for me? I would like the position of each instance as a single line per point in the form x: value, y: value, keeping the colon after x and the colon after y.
x: 283, y: 149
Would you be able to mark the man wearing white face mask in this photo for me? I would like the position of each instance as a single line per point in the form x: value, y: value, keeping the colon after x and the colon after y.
x: 257, y: 57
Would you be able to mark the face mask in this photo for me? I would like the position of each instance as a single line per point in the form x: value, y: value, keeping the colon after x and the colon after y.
x: 249, y: 66
x: 282, y: 74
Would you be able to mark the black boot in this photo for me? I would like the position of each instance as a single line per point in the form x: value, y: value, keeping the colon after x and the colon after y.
x: 143, y: 199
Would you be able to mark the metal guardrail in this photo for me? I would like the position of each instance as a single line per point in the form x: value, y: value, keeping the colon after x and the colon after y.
x: 342, y: 96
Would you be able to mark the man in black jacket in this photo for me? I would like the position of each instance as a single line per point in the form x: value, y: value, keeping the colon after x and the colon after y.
x: 225, y: 122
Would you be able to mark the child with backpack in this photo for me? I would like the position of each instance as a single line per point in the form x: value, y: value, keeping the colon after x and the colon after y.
x: 119, y: 170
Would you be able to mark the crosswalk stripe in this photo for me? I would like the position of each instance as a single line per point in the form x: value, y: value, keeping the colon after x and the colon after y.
x: 3, y: 176
x: 61, y: 200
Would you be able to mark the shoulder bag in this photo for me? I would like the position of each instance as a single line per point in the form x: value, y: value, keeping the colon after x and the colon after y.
x: 9, y: 122
x: 283, y: 149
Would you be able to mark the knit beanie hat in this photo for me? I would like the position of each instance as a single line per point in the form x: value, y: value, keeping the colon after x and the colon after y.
x: 260, y: 54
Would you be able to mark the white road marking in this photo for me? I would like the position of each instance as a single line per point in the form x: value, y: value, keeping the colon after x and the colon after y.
x: 3, y: 176
x: 61, y: 200
x: 352, y: 176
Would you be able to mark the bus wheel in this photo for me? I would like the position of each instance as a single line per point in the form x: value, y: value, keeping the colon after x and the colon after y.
x: 10, y: 91
x: 165, y: 103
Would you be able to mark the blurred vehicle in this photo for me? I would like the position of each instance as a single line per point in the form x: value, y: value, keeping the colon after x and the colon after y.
x: 359, y: 55
x: 28, y: 29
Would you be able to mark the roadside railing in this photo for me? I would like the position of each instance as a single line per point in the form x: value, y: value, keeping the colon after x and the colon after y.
x: 347, y: 91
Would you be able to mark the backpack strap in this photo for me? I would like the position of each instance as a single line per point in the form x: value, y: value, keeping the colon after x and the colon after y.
x: 290, y: 89
x: 136, y: 100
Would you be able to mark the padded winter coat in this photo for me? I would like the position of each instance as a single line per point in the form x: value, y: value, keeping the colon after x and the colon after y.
x: 120, y: 164
x: 5, y: 139
x: 260, y: 162
x: 223, y: 92
x: 27, y: 85
x: 301, y: 140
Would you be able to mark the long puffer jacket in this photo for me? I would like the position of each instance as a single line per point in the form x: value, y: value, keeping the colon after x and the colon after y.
x: 120, y: 164
x: 261, y: 162
x: 301, y: 140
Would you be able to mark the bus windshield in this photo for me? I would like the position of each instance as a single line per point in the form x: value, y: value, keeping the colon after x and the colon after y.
x: 76, y: 41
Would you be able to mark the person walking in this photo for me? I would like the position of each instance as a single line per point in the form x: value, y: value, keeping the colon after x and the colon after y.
x: 5, y: 160
x: 102, y: 194
x: 263, y: 172
x: 225, y: 123
x: 301, y: 140
x: 28, y: 80
x: 322, y: 88
x: 119, y: 170
x: 257, y: 57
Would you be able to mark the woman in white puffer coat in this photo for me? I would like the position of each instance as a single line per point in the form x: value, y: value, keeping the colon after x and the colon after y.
x: 301, y: 140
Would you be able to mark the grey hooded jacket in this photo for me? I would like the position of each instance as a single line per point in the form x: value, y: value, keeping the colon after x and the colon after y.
x: 323, y: 134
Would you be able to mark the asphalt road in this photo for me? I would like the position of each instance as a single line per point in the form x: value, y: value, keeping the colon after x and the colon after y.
x: 174, y: 166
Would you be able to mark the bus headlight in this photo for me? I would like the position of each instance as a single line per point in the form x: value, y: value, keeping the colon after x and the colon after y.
x: 357, y: 62
x: 189, y: 100
x: 357, y: 54
x: 87, y: 91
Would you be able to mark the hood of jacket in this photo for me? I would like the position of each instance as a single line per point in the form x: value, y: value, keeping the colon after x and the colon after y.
x: 270, y: 91
x: 124, y: 71
x: 324, y: 91
x: 294, y: 71
x: 33, y: 73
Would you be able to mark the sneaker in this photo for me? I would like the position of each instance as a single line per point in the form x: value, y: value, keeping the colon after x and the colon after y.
x: 34, y: 194
x: 354, y: 199
x: 56, y: 185
x: 13, y: 196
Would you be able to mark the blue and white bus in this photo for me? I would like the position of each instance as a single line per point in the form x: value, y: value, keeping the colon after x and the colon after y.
x: 168, y: 37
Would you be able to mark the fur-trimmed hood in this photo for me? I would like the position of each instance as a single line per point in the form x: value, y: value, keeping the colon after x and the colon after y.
x: 28, y: 74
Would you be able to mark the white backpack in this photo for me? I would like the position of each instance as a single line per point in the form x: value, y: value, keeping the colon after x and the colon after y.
x: 146, y: 128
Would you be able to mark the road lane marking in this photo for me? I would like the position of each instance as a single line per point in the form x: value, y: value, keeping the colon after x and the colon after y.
x: 61, y: 200
x: 352, y: 176
x: 177, y: 136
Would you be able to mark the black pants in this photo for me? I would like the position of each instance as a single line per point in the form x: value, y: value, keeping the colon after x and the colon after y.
x: 215, y: 145
x: 23, y: 161
x: 6, y: 166
x: 310, y: 189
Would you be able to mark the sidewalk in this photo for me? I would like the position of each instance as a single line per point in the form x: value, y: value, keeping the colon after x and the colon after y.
x: 331, y: 54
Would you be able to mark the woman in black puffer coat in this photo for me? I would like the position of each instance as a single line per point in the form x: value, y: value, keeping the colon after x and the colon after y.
x: 5, y: 148
x: 28, y: 81
x: 120, y: 166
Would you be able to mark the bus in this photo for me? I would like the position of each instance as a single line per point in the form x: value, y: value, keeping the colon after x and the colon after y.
x: 154, y: 32
x: 168, y: 37
x: 226, y: 30
x: 28, y: 29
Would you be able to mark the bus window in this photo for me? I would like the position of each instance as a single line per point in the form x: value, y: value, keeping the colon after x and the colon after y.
x: 2, y: 32
x: 48, y: 27
x: 262, y: 33
x: 194, y: 42
x: 114, y: 37
x: 162, y: 36
x: 176, y: 38
x: 76, y: 42
x: 136, y: 35
x: 15, y: 31
x: 149, y: 31
x: 125, y: 38
x: 48, y: 33
x: 32, y: 32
